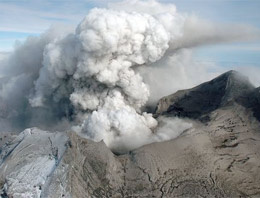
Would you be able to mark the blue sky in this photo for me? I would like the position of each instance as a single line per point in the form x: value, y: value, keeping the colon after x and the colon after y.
x: 22, y: 18
x: 227, y: 11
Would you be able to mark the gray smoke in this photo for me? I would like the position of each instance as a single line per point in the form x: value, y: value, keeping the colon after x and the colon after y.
x: 18, y: 72
x: 92, y: 79
x: 188, y: 31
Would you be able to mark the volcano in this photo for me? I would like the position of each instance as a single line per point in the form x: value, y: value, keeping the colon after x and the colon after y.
x: 219, y: 156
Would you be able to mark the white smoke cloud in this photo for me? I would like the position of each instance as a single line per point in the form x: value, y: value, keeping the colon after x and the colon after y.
x: 170, y: 128
x: 18, y: 71
x: 253, y: 73
x: 199, y: 32
x: 151, y: 7
x: 100, y: 77
x: 3, y: 55
x: 193, y: 31
x: 175, y: 72
x: 93, y: 68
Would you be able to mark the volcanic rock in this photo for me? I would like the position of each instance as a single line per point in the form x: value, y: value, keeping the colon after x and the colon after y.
x: 218, y: 157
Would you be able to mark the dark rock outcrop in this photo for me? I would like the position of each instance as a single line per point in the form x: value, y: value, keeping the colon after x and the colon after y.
x: 198, y: 102
x: 251, y: 101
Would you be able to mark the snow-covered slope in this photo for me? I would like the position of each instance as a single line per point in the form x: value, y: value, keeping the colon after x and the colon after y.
x: 26, y: 164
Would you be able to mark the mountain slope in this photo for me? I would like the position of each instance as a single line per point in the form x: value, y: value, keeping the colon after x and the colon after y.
x: 207, y: 97
x: 218, y: 157
x: 27, y: 163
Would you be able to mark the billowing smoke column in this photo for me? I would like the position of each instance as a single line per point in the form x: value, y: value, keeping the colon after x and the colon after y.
x: 90, y: 78
x: 94, y: 69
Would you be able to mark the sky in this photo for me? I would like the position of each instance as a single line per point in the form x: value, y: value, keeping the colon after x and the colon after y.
x: 22, y: 18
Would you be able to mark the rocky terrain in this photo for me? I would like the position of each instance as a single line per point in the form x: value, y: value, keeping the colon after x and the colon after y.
x: 218, y: 157
x: 28, y: 162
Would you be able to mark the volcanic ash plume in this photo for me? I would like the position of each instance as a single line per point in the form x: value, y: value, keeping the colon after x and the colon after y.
x: 94, y: 69
x: 90, y: 78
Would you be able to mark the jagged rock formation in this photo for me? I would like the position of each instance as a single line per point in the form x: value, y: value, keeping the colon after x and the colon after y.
x: 218, y: 157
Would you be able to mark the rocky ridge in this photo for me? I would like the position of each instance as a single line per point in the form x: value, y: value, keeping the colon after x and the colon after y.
x: 218, y: 157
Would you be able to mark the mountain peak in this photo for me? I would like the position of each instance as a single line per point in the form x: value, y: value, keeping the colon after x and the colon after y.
x: 205, y: 98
